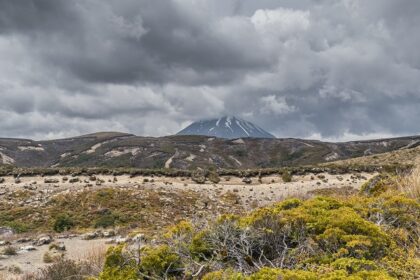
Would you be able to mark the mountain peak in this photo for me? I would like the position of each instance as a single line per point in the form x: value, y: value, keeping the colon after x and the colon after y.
x: 229, y: 127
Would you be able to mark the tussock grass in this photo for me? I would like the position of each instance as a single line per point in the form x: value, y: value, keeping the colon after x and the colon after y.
x: 410, y: 183
x: 63, y: 269
x: 95, y: 256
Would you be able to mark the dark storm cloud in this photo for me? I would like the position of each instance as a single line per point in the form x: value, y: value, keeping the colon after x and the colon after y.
x: 133, y: 41
x: 324, y: 69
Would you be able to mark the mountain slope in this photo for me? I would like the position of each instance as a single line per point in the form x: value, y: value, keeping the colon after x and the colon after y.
x: 189, y: 152
x: 226, y: 127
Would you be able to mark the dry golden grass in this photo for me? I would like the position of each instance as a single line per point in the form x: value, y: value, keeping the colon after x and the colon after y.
x: 8, y: 276
x: 410, y: 183
x: 95, y: 257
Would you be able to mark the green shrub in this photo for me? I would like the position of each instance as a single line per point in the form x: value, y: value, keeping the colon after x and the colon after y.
x: 224, y: 275
x: 116, y: 273
x: 352, y: 265
x: 286, y: 176
x: 275, y: 274
x: 328, y: 238
x: 62, y: 223
x: 160, y: 262
x: 377, y: 185
x: 200, y: 247
x: 118, y: 266
x: 18, y: 227
x: 181, y: 229
x: 105, y: 221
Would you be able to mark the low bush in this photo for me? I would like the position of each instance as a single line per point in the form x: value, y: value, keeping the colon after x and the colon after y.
x: 18, y: 227
x: 199, y: 176
x: 105, y: 221
x: 320, y: 238
x: 62, y: 223
x: 213, y: 177
x: 286, y: 176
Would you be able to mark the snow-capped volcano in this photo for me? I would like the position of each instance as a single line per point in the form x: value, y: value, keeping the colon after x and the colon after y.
x: 226, y: 127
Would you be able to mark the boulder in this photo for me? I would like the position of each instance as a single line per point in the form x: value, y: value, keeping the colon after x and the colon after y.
x: 24, y: 240
x: 59, y: 246
x: 117, y: 240
x: 74, y: 180
x: 247, y: 180
x: 108, y: 234
x: 6, y: 231
x: 90, y: 235
x: 4, y: 243
x: 30, y: 187
x: 43, y: 240
x: 51, y: 181
x: 27, y: 248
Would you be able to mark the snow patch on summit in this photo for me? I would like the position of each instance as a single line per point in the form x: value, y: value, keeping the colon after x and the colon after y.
x: 227, y: 127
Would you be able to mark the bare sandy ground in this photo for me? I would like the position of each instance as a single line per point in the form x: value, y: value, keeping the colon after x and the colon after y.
x: 268, y: 190
x: 76, y: 249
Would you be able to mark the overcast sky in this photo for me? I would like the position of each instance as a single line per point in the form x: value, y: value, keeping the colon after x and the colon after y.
x: 323, y: 69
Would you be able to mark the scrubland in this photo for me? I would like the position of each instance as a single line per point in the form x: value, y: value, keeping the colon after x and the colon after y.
x: 349, y: 226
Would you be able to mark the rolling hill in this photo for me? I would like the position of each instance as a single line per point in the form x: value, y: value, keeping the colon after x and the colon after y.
x: 112, y: 149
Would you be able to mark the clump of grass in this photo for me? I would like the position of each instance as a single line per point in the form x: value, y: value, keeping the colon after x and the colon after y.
x: 63, y: 269
x: 94, y: 257
x: 47, y: 258
x: 10, y: 251
x: 410, y: 183
x: 14, y: 269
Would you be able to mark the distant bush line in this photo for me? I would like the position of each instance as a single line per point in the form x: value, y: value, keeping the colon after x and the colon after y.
x: 133, y: 172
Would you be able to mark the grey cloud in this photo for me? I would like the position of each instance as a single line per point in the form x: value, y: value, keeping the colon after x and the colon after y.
x: 100, y: 41
x: 325, y: 69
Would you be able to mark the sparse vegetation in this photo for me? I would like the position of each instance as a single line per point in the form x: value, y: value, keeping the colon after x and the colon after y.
x: 106, y: 207
x: 371, y: 235
x: 9, y: 251
x: 342, y: 234
x: 62, y: 223
x: 106, y: 220
x: 410, y: 184
x: 168, y: 172
x: 64, y: 269
x: 47, y: 258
